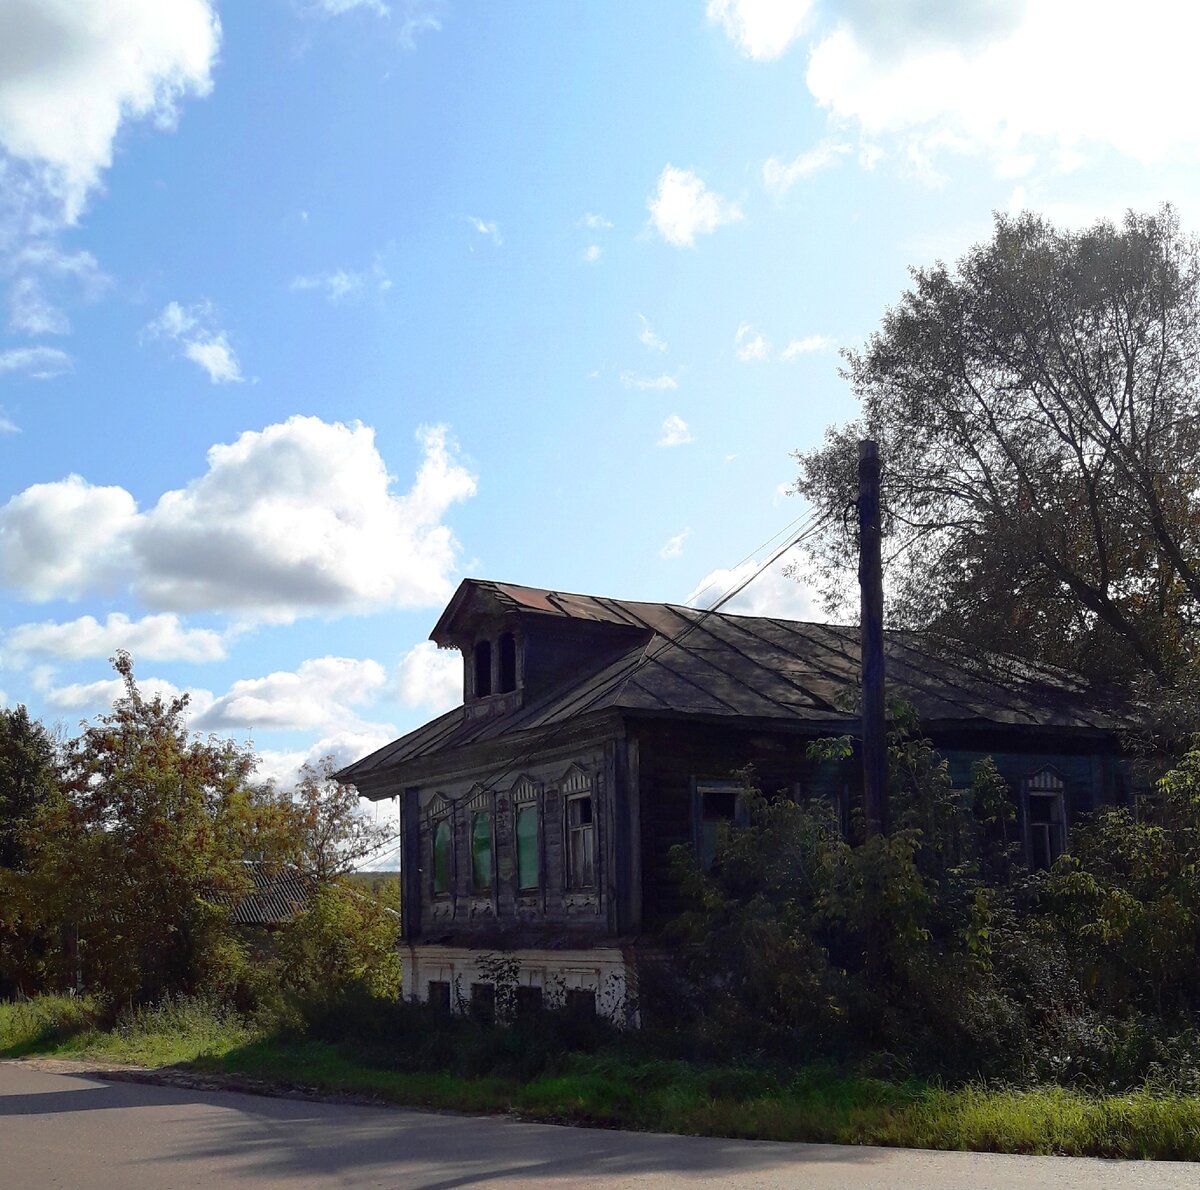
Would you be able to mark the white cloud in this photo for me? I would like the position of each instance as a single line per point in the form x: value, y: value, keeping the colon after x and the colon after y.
x: 941, y: 78
x: 37, y: 266
x: 411, y: 16
x: 592, y: 253
x: 297, y: 519
x: 71, y: 73
x: 199, y: 339
x: 779, y: 176
x: 675, y: 432
x: 39, y: 363
x: 662, y: 383
x: 341, y: 285
x: 773, y: 593
x: 61, y: 539
x: 152, y: 638
x: 647, y: 337
x: 750, y: 345
x: 31, y: 313
x: 682, y: 207
x: 319, y: 694
x: 761, y: 29
x: 673, y: 547
x: 97, y: 696
x: 595, y: 222
x: 486, y: 227
x: 806, y: 345
x: 7, y: 425
x: 430, y: 677
x: 345, y: 746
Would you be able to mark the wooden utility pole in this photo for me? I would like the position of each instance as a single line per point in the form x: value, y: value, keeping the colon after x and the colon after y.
x: 870, y: 581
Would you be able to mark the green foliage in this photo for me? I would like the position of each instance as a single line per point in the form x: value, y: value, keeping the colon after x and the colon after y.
x: 345, y: 939
x: 934, y: 947
x: 135, y: 858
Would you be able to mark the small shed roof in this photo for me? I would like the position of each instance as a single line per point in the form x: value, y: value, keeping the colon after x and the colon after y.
x: 278, y: 892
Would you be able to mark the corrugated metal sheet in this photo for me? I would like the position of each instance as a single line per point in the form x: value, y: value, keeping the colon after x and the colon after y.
x: 278, y: 893
x: 716, y: 664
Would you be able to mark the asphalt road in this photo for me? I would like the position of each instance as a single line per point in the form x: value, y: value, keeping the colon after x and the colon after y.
x: 78, y: 1131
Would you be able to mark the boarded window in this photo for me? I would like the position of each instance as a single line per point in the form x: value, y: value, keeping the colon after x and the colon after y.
x: 581, y: 843
x: 483, y: 668
x: 581, y: 1001
x: 483, y: 1001
x: 481, y: 851
x: 439, y: 994
x: 527, y: 848
x: 529, y: 1000
x: 508, y: 663
x: 441, y: 859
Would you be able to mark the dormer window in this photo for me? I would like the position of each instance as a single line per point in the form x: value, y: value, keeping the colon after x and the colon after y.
x: 508, y: 663
x: 483, y: 668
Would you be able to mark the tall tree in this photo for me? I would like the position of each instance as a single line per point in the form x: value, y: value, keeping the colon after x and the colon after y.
x: 27, y: 779
x: 140, y: 854
x: 1038, y: 409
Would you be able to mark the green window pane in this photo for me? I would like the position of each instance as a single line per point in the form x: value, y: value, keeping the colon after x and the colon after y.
x: 481, y: 851
x: 441, y: 858
x: 527, y: 848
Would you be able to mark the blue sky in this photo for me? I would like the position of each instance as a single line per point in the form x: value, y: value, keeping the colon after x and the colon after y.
x: 313, y: 307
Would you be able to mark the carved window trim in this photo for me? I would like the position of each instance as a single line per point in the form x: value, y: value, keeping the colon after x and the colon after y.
x: 1044, y: 798
x: 526, y: 798
x: 581, y: 844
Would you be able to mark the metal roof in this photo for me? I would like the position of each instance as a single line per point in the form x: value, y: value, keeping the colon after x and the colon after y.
x: 278, y: 893
x: 692, y: 662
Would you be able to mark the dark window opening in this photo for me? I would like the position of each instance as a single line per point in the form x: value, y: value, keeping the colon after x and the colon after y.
x: 483, y: 668
x: 508, y: 663
x: 483, y: 1001
x: 529, y: 1001
x: 581, y: 1001
x: 718, y: 807
x: 438, y: 994
x: 1047, y: 837
x: 581, y: 843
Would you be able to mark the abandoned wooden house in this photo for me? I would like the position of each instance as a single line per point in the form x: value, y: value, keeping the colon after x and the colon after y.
x: 595, y: 734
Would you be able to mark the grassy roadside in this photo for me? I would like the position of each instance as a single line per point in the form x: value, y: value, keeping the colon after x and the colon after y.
x: 616, y: 1090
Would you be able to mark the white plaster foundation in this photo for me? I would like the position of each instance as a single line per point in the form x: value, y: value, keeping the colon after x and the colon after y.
x: 601, y: 969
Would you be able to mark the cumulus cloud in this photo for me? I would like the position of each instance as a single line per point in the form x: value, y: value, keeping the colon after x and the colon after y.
x: 342, y: 285
x: 297, y: 519
x: 805, y: 346
x: 750, y: 345
x: 761, y: 29
x: 151, y: 638
x: 594, y: 222
x: 92, y: 697
x: 319, y: 693
x: 682, y: 207
x: 71, y: 73
x: 647, y: 336
x: 194, y: 331
x: 774, y: 593
x: 673, y: 547
x: 39, y: 269
x: 941, y: 77
x: 430, y: 678
x: 39, y: 363
x: 662, y: 383
x: 780, y: 176
x: 592, y: 253
x: 675, y: 432
x: 344, y: 746
x: 64, y: 538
